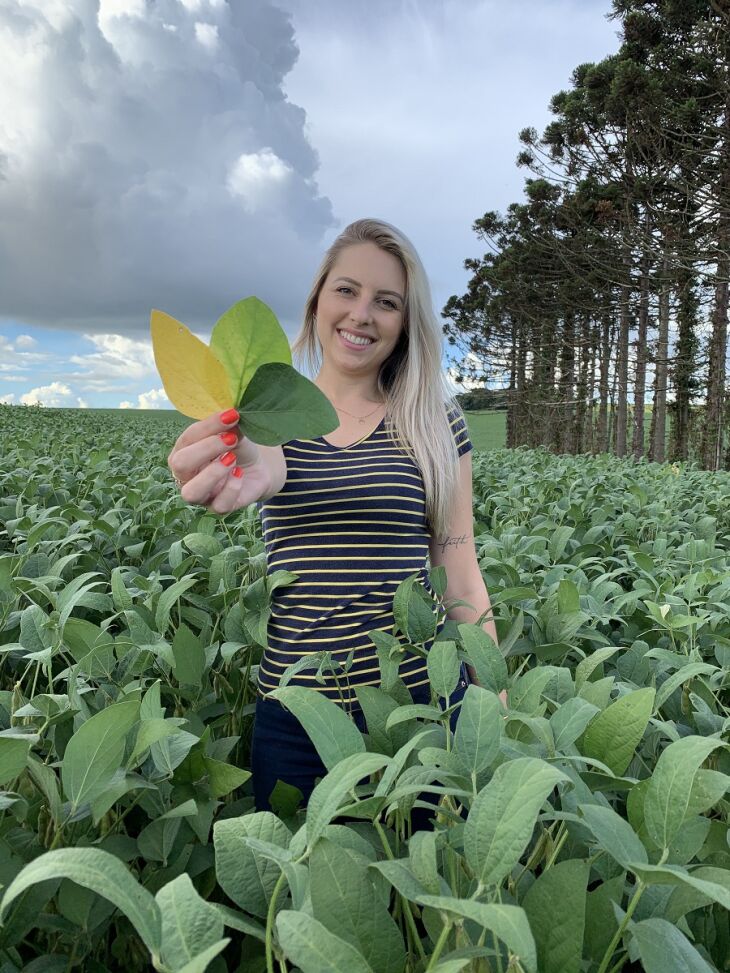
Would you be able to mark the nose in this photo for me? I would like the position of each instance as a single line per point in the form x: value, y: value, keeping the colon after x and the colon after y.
x: 360, y: 312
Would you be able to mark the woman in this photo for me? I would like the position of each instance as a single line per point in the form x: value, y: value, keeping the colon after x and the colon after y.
x: 353, y: 514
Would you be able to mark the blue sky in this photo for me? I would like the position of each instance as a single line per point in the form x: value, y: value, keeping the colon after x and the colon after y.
x: 188, y: 153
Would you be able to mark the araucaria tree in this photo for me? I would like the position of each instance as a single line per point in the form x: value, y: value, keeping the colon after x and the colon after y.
x: 606, y: 289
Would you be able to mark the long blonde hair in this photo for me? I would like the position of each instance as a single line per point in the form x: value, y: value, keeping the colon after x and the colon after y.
x: 411, y: 380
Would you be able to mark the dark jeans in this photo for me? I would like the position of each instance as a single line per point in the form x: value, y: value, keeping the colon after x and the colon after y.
x: 281, y: 750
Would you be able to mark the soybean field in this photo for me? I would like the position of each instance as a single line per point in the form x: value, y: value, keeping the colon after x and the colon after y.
x: 584, y: 829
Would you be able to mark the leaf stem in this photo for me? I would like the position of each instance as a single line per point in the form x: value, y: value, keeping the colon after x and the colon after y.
x: 622, y: 928
x: 440, y: 943
x: 269, y: 938
x: 405, y: 904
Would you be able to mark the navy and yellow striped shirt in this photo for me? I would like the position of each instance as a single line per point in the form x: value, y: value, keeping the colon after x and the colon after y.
x: 351, y: 523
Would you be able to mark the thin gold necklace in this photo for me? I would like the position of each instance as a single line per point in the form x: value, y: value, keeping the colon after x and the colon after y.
x: 359, y: 418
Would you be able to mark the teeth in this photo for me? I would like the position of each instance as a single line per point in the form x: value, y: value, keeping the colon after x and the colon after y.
x: 356, y: 339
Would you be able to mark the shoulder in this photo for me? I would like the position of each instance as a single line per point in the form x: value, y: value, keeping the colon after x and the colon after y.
x: 459, y: 428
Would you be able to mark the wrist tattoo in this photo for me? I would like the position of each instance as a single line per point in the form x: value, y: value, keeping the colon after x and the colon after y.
x: 452, y: 542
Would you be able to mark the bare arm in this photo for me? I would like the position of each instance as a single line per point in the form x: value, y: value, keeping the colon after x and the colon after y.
x: 220, y: 469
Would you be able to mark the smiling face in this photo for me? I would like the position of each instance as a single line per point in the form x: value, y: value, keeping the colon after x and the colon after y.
x: 363, y: 297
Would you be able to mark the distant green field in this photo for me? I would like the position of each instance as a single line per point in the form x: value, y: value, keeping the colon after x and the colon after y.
x: 487, y: 430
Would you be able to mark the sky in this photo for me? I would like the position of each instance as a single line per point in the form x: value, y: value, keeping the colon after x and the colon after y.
x: 184, y: 154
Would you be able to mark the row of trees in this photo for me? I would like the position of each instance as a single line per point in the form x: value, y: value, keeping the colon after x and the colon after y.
x: 608, y: 285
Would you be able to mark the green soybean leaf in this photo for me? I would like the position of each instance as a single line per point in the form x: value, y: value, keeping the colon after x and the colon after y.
x: 189, y: 664
x: 345, y: 901
x: 190, y: 925
x: 240, y: 922
x: 377, y: 706
x: 333, y: 733
x: 568, y: 594
x: 423, y: 860
x: 485, y: 656
x: 556, y: 905
x: 443, y: 668
x: 245, y: 336
x: 331, y: 791
x: 279, y: 405
x: 676, y: 875
x: 102, y: 873
x: 246, y: 876
x: 587, y: 666
x: 400, y: 875
x: 686, y: 673
x: 570, y: 720
x: 525, y: 692
x: 708, y: 787
x: 507, y: 922
x: 151, y: 731
x: 614, y: 734
x: 45, y: 779
x: 613, y: 834
x: 413, y: 711
x: 413, y: 610
x: 503, y: 815
x: 95, y: 752
x: 202, y: 960
x: 662, y: 947
x: 14, y: 749
x: 668, y: 793
x: 479, y: 730
x: 223, y: 777
x: 167, y: 600
x: 314, y: 949
x: 684, y: 898
x: 120, y: 596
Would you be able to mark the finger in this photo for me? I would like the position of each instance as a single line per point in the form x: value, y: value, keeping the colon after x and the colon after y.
x: 229, y: 496
x: 186, y: 462
x: 217, y: 423
x: 209, y: 480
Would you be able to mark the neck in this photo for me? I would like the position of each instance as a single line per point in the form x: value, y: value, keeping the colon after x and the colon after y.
x: 343, y: 389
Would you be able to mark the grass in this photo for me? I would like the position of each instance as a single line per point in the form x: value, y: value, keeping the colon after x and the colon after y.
x: 487, y: 429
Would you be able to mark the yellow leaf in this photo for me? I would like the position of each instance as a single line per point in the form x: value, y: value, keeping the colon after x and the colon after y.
x: 195, y: 381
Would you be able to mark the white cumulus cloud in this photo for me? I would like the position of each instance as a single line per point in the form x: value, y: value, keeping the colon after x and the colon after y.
x: 8, y: 399
x: 257, y: 178
x: 147, y: 110
x: 154, y: 399
x: 115, y: 358
x: 25, y: 341
x: 207, y: 35
x: 54, y: 395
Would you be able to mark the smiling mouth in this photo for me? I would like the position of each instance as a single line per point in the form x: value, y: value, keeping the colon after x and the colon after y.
x: 360, y: 341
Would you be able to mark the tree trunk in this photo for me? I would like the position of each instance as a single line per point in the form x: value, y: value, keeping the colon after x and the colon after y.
x: 637, y: 444
x: 581, y: 392
x: 659, y: 413
x: 602, y: 433
x: 566, y: 389
x: 622, y: 367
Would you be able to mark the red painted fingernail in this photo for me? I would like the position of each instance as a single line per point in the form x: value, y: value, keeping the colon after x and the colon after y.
x: 228, y: 458
x: 237, y: 472
x: 228, y: 417
x: 229, y: 438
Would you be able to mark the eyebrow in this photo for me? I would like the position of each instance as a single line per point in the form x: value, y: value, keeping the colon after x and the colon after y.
x: 351, y: 280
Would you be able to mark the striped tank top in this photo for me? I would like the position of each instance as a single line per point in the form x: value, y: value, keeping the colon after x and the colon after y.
x: 351, y: 523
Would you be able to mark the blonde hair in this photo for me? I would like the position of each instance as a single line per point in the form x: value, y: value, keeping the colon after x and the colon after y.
x: 411, y: 380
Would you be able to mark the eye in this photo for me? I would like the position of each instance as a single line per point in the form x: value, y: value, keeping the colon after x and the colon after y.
x: 343, y: 288
x: 391, y: 305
